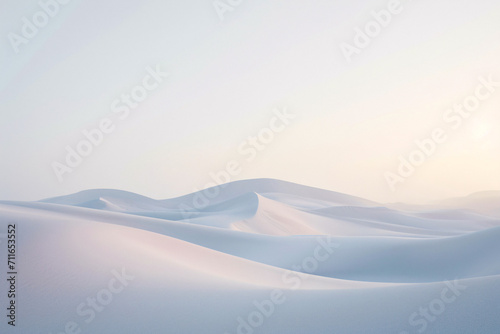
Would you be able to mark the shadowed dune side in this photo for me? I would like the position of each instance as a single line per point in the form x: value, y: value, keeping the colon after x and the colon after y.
x: 344, y: 264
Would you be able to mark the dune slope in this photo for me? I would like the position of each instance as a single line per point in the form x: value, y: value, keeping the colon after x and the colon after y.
x: 260, y: 256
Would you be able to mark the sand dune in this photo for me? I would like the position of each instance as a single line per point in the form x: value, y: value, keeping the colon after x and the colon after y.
x: 262, y: 256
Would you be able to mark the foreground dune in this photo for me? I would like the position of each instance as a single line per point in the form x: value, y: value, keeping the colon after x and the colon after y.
x: 260, y: 256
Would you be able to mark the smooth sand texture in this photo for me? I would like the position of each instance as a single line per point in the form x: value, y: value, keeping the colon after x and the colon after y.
x: 332, y: 263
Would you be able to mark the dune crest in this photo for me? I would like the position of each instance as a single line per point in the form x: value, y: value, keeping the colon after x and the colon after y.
x: 331, y: 257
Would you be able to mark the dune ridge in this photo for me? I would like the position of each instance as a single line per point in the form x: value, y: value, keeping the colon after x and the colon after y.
x: 198, y: 269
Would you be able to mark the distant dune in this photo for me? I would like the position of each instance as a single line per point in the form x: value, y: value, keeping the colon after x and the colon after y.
x: 216, y: 261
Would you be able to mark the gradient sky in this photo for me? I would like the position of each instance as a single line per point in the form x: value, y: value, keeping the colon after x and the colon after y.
x: 353, y: 119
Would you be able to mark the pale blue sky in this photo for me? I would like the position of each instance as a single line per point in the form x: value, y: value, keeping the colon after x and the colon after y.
x: 352, y: 121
